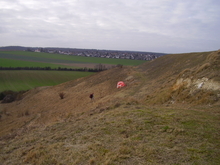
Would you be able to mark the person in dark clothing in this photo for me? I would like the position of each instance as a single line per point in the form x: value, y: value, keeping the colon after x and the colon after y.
x: 91, y: 96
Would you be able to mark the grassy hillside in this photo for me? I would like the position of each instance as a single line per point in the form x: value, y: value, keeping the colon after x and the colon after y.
x: 167, y: 114
x: 122, y: 134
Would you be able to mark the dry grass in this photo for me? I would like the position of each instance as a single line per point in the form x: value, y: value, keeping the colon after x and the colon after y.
x: 128, y: 134
x: 203, y: 67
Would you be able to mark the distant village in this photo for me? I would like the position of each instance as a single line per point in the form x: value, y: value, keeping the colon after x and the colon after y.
x: 132, y: 55
x: 118, y: 54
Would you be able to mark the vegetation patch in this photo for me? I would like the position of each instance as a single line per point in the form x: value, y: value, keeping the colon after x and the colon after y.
x: 9, y: 96
x: 21, y: 63
x: 147, y: 135
x: 25, y: 80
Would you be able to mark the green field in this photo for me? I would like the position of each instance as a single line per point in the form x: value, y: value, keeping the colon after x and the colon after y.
x: 60, y: 59
x: 25, y: 80
x: 19, y: 63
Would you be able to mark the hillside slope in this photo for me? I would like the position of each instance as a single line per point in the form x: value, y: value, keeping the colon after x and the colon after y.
x: 41, y: 125
x: 191, y: 78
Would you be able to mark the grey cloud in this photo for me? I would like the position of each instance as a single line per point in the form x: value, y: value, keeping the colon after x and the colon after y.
x: 159, y: 25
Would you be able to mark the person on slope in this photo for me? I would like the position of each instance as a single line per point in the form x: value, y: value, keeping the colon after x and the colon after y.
x: 91, y: 96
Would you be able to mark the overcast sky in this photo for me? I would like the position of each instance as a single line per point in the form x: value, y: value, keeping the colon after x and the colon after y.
x: 166, y: 26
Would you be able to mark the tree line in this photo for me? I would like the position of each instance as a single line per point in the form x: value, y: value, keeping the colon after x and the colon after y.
x: 97, y: 68
x: 85, y: 69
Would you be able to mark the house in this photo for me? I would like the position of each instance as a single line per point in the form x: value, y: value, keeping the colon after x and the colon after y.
x: 37, y: 50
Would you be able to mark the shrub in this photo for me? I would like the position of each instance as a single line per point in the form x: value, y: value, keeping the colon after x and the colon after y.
x: 9, y: 96
x: 27, y: 113
x: 2, y: 95
x: 119, y: 65
x: 61, y: 94
x: 5, y: 93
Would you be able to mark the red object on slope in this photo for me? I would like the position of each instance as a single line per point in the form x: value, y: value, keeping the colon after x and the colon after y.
x: 120, y: 84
